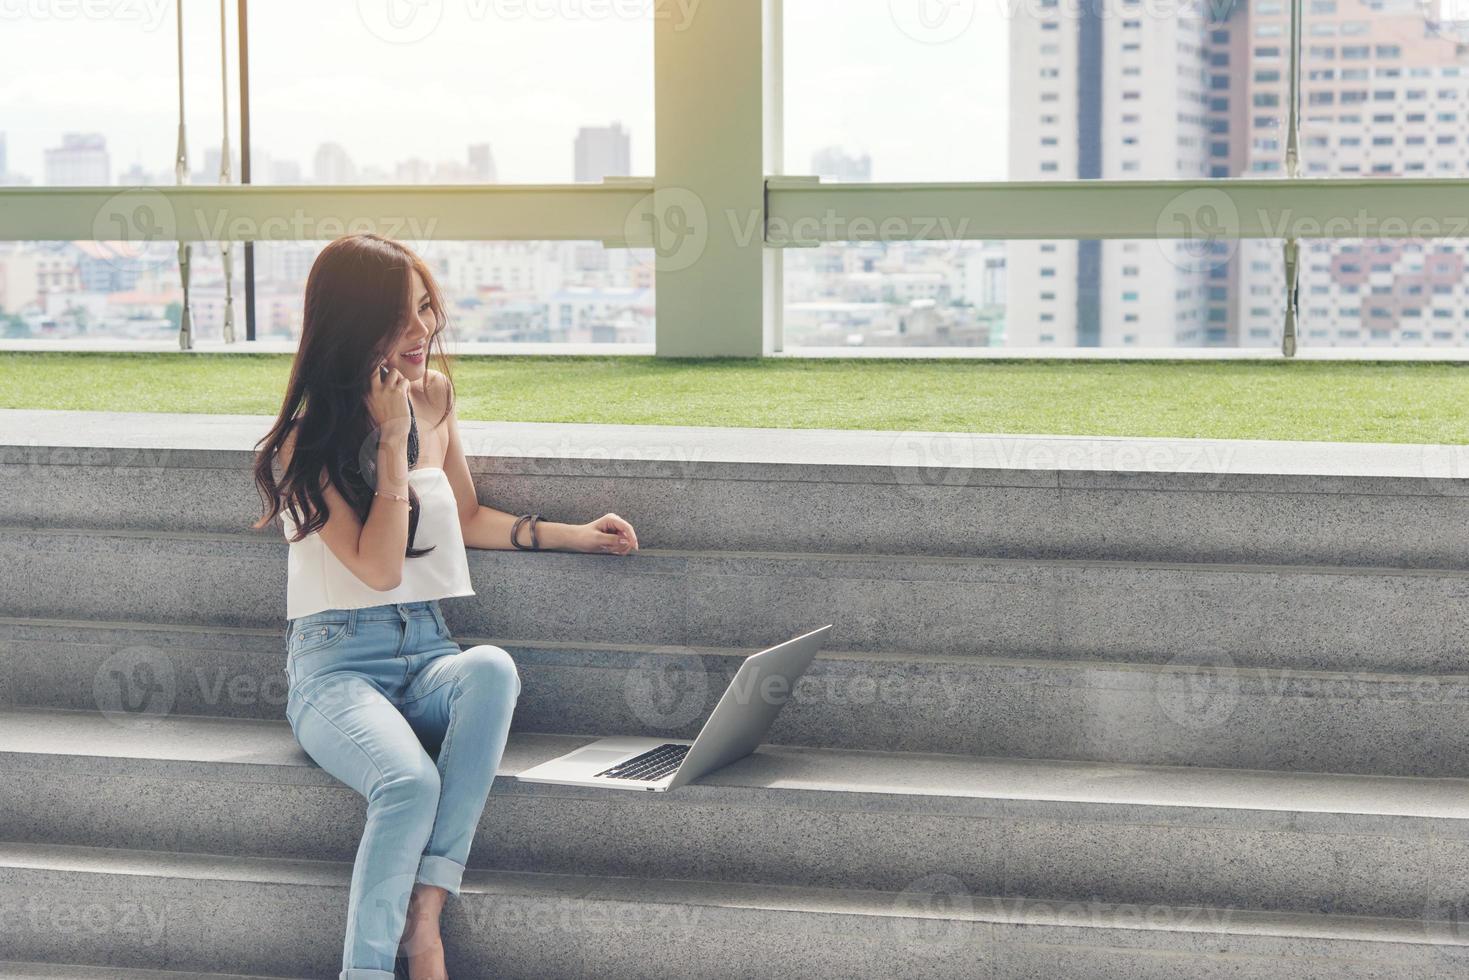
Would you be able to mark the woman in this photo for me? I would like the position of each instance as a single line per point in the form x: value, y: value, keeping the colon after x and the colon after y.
x: 378, y: 510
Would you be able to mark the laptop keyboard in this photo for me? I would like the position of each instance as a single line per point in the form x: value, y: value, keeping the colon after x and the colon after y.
x: 652, y: 764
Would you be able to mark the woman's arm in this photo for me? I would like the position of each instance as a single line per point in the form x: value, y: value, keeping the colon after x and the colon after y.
x: 488, y: 528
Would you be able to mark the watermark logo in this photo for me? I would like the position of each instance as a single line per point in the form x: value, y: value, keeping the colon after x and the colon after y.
x: 921, y: 461
x: 401, y: 21
x: 1444, y: 461
x: 1448, y: 19
x: 1202, y: 693
x: 411, y: 21
x: 674, y: 222
x: 1204, y: 226
x: 1446, y: 915
x: 150, y: 14
x: 932, y: 21
x: 136, y: 226
x: 134, y: 685
x: 666, y: 691
x: 932, y: 909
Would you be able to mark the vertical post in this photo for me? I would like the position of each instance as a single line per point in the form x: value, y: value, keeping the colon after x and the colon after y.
x: 1293, y: 170
x: 243, y: 16
x: 774, y: 284
x: 181, y: 176
x: 226, y: 251
x: 1293, y: 95
x: 709, y: 184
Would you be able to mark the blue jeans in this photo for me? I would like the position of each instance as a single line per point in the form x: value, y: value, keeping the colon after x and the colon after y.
x: 371, y: 693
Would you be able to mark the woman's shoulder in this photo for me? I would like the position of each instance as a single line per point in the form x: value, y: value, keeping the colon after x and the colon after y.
x: 437, y: 391
x: 288, y: 446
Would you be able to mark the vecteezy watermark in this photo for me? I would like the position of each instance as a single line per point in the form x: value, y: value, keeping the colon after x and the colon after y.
x: 1200, y: 692
x: 399, y: 427
x: 674, y: 223
x: 1448, y: 19
x: 147, y: 14
x: 299, y: 226
x: 922, y: 461
x: 833, y: 226
x: 52, y: 917
x: 932, y: 909
x: 576, y: 918
x: 134, y: 685
x: 137, y: 227
x: 563, y: 458
x: 140, y: 683
x: 933, y: 21
x: 1103, y: 914
x: 1363, y: 224
x: 142, y: 225
x: 118, y: 463
x: 1444, y: 462
x: 667, y: 688
x: 1205, y: 225
x: 1446, y: 910
x: 411, y: 21
x: 401, y: 21
x: 1208, y: 11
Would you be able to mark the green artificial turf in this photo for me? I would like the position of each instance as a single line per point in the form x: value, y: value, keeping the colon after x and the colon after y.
x: 1304, y: 400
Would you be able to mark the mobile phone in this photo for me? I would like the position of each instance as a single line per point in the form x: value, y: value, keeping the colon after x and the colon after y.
x: 382, y: 372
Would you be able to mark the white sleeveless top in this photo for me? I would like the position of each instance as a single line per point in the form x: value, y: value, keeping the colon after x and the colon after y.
x: 316, y: 578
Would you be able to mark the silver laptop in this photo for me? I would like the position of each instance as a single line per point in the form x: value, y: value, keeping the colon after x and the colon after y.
x: 739, y: 721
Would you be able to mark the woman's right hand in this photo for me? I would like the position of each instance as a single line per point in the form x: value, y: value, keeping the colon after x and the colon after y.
x: 387, y: 402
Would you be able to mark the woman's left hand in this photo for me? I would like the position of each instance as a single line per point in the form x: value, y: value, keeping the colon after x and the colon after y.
x: 608, y: 534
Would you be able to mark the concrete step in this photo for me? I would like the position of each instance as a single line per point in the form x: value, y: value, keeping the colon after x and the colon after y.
x: 1075, y: 832
x: 1175, y: 714
x: 16, y: 970
x: 1317, y: 618
x: 193, y: 912
x: 859, y: 492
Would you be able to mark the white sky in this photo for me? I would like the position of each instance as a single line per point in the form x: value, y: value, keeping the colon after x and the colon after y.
x: 522, y: 75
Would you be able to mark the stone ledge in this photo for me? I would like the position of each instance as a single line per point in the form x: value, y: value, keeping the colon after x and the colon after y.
x: 1041, y: 460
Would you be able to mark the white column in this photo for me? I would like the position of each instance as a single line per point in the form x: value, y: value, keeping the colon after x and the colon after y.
x: 708, y: 219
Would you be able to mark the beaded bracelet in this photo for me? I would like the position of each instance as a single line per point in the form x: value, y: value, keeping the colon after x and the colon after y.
x: 393, y: 496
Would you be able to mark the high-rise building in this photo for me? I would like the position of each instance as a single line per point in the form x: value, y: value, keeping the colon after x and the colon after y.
x: 835, y: 163
x: 284, y: 172
x: 413, y: 171
x: 80, y: 160
x: 482, y: 163
x: 1384, y: 92
x: 333, y: 166
x: 603, y: 151
x: 209, y: 173
x: 1098, y: 96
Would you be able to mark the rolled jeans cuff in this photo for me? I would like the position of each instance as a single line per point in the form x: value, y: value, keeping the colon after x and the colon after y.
x: 441, y: 871
x: 357, y: 974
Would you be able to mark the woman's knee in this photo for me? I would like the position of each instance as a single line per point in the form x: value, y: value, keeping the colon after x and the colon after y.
x: 414, y: 782
x: 490, y: 667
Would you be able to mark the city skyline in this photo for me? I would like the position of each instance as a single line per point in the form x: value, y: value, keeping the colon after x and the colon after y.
x: 81, y: 158
x: 1130, y: 96
x: 491, y: 84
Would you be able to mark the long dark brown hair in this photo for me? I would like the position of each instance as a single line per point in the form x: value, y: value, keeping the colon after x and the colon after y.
x: 357, y: 303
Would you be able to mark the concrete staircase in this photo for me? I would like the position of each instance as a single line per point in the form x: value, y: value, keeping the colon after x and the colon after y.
x: 1090, y: 708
